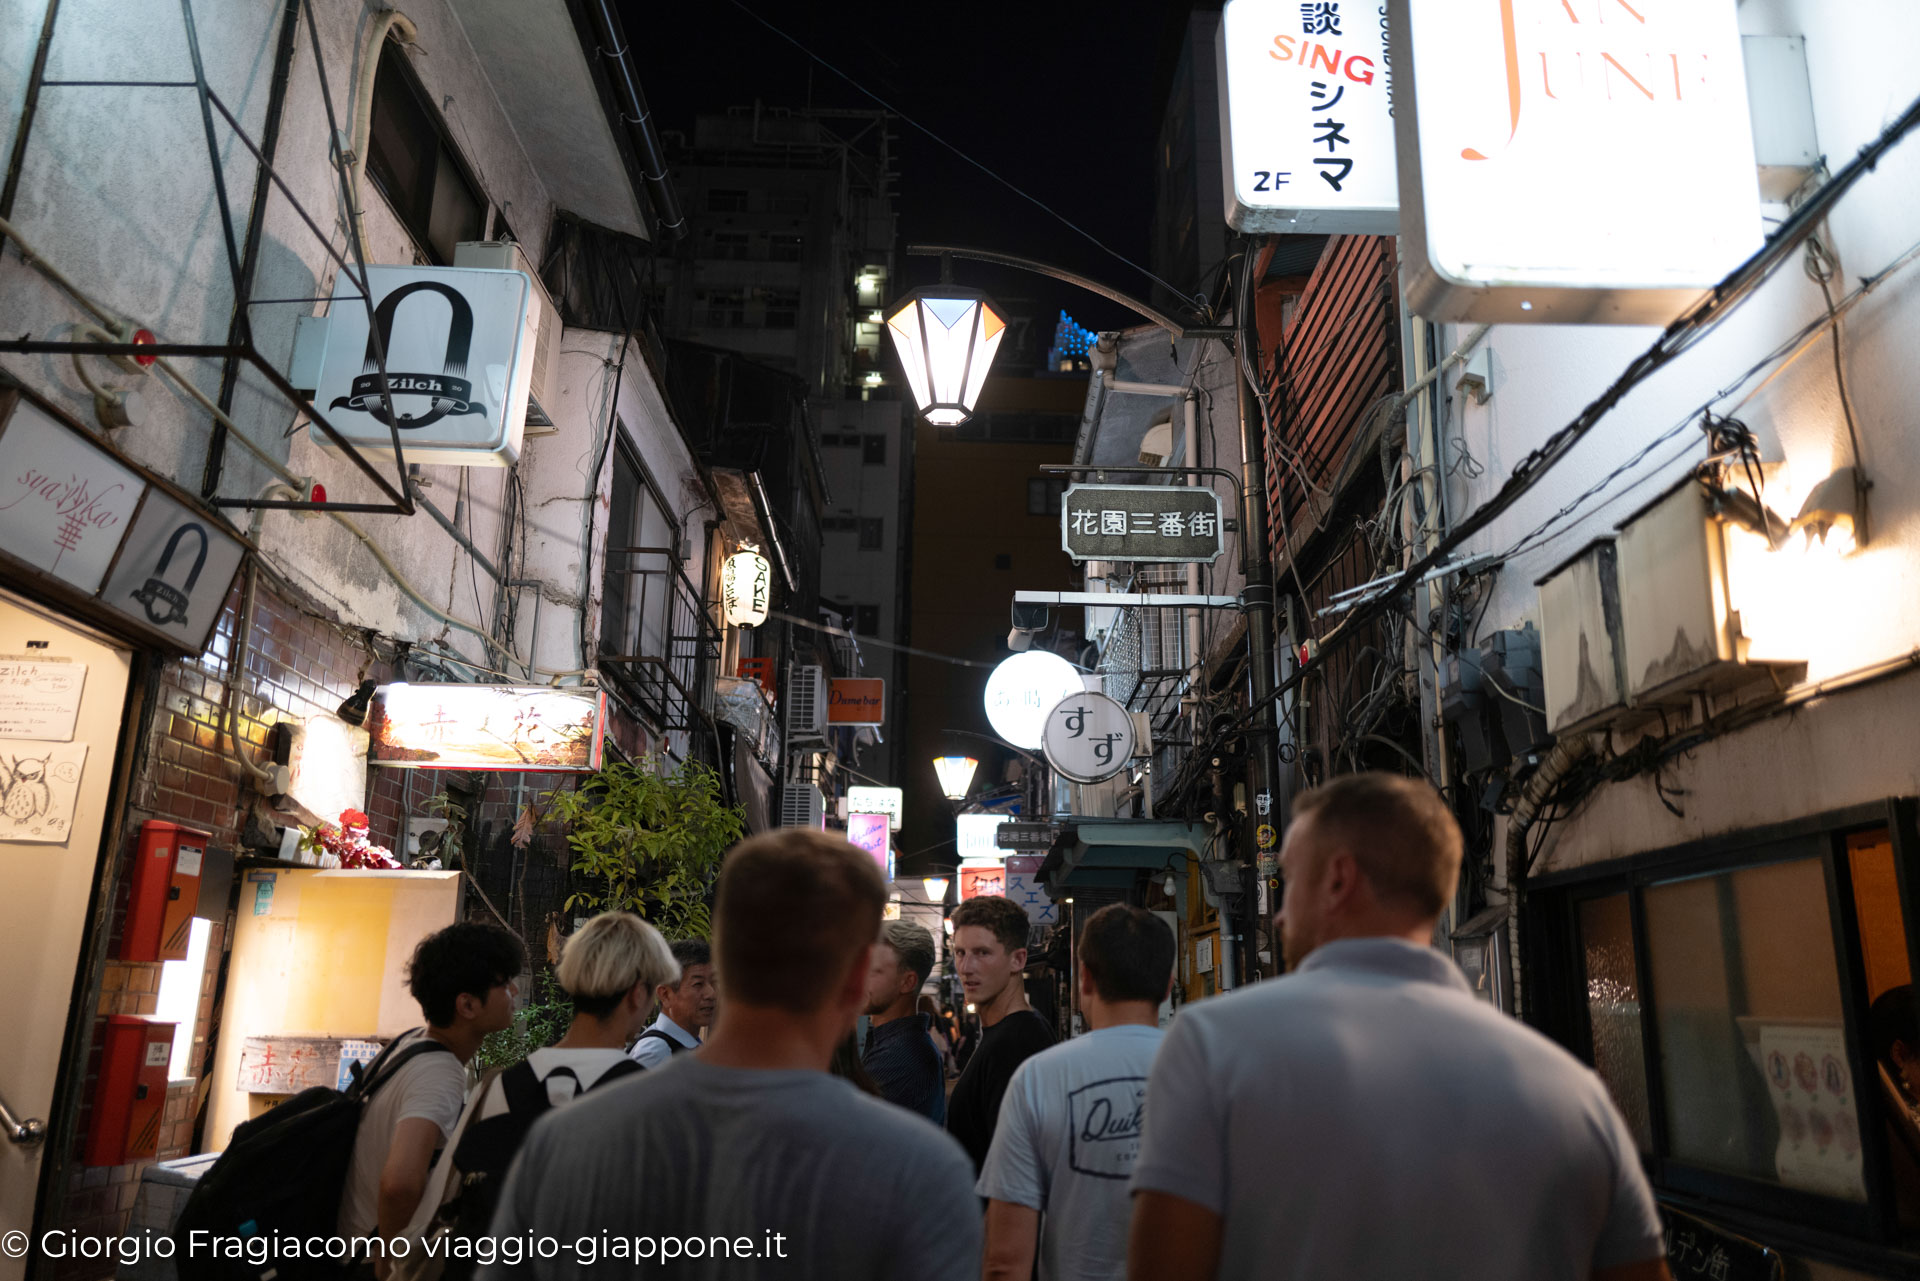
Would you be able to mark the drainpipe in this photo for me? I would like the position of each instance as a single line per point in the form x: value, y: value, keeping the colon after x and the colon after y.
x: 638, y: 119
x: 1566, y: 753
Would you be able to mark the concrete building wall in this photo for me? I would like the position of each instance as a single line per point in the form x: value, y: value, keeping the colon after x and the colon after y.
x: 1840, y: 615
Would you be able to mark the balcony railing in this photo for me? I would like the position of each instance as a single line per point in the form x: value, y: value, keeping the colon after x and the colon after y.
x: 666, y: 650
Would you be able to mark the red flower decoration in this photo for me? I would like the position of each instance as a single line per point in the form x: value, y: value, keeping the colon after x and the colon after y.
x: 351, y: 818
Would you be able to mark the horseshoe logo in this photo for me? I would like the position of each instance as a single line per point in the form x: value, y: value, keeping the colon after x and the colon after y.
x: 449, y: 389
x: 165, y: 603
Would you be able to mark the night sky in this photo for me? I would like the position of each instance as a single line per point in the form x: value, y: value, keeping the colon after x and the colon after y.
x: 1064, y: 100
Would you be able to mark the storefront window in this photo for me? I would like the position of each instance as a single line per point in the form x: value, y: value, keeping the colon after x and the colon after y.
x: 1613, y: 1009
x: 1755, y: 1070
x: 1893, y: 1018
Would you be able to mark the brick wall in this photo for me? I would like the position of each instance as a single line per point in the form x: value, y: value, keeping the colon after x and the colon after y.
x: 296, y: 665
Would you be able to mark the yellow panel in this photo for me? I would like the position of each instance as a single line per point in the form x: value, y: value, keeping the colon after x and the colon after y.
x: 990, y: 322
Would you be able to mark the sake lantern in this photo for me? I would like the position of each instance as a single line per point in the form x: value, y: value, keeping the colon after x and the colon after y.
x: 746, y: 586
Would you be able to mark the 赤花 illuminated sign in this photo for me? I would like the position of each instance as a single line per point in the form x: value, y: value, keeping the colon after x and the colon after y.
x: 1582, y: 162
x: 493, y: 727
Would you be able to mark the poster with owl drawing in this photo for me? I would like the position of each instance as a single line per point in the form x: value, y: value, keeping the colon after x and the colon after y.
x: 38, y: 785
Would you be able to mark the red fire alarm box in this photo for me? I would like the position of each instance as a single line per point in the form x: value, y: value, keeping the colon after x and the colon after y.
x: 166, y: 888
x: 758, y: 669
x: 131, y: 1096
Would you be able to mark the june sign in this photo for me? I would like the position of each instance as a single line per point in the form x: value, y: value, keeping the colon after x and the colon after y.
x: 1172, y: 523
x: 1089, y: 738
x: 1571, y: 163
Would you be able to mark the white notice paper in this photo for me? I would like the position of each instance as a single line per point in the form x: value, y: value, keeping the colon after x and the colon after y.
x: 40, y: 700
x: 38, y: 785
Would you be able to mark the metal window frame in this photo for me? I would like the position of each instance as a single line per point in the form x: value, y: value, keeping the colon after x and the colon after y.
x: 1824, y: 1226
x: 240, y: 346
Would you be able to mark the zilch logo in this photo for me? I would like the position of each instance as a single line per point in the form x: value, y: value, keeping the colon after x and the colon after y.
x: 163, y: 602
x: 448, y: 391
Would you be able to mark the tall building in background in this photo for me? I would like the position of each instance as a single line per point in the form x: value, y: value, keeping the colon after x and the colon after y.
x: 789, y: 263
x: 791, y: 252
x: 1189, y: 204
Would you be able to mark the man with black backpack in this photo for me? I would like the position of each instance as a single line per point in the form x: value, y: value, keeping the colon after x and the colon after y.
x: 463, y: 978
x: 329, y: 1162
x: 686, y: 1006
x: 609, y: 969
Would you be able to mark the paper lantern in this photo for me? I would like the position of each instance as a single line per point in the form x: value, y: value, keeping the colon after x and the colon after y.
x: 746, y: 586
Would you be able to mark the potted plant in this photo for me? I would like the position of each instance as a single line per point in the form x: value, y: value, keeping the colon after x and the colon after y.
x: 648, y: 839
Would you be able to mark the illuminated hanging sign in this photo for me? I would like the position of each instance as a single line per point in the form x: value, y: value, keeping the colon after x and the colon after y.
x: 490, y: 727
x: 1583, y: 163
x: 1089, y: 738
x: 459, y: 346
x: 982, y: 878
x: 974, y: 836
x: 877, y: 800
x: 857, y: 700
x: 1023, y: 689
x: 1168, y: 524
x: 746, y: 589
x: 869, y: 832
x: 1306, y: 117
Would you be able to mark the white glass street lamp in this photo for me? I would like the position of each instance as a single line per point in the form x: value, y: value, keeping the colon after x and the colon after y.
x: 946, y: 336
x: 956, y: 775
x: 936, y: 888
x: 1023, y: 689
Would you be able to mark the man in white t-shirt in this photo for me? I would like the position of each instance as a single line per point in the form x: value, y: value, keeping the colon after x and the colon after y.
x: 686, y: 1006
x: 462, y: 977
x: 1069, y: 1127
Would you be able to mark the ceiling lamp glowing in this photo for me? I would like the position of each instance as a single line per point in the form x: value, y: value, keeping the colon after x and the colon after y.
x: 946, y: 337
x: 956, y: 775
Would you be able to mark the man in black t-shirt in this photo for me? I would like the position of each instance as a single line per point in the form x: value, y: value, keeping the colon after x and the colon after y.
x: 989, y: 950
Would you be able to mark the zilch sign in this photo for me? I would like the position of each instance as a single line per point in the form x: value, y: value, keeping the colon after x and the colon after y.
x: 857, y: 701
x: 459, y: 348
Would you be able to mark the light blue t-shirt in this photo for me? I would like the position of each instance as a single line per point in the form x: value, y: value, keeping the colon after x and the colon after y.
x: 1068, y: 1136
x: 1366, y: 1116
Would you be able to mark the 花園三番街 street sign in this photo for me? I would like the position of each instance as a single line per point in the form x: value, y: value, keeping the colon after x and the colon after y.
x: 1141, y: 523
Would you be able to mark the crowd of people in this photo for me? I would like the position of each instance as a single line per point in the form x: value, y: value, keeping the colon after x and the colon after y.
x: 1364, y: 1116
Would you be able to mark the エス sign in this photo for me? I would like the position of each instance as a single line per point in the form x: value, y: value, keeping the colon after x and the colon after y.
x: 1571, y: 161
x: 1306, y: 117
x: 459, y: 364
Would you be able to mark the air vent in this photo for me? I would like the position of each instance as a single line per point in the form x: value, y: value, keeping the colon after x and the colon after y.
x: 801, y: 805
x: 807, y: 703
x: 506, y: 255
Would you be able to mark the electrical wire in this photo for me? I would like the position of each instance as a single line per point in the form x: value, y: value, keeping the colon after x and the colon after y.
x: 1189, y: 299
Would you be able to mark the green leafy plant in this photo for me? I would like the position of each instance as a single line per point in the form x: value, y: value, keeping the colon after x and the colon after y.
x: 648, y: 840
x: 538, y: 1024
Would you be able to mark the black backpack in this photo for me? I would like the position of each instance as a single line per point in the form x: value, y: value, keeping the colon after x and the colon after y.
x: 655, y: 1034
x: 487, y: 1147
x: 283, y: 1174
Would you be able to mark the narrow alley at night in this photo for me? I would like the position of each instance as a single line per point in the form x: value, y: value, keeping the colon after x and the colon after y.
x: 1207, y: 640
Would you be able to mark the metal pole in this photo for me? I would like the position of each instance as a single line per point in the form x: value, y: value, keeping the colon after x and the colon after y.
x: 1261, y: 837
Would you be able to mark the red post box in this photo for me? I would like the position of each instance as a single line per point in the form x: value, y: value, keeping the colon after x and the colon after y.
x: 130, y: 1099
x: 166, y: 889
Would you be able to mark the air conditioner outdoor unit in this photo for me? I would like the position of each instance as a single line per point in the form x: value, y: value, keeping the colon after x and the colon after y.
x: 802, y: 805
x: 807, y: 703
x: 507, y: 255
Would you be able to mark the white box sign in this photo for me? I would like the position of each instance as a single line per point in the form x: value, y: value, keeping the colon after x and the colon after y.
x: 1306, y: 116
x: 1585, y: 161
x: 459, y: 355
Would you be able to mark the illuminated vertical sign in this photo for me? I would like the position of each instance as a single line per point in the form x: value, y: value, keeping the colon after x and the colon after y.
x: 869, y: 832
x: 1571, y: 161
x: 1306, y: 117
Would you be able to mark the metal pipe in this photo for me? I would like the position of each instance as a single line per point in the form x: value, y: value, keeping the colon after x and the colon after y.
x: 1263, y: 767
x: 24, y: 1133
x: 1178, y: 328
x: 638, y: 119
x: 28, y: 109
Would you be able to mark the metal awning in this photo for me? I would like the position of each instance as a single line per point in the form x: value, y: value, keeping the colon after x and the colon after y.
x: 1110, y: 852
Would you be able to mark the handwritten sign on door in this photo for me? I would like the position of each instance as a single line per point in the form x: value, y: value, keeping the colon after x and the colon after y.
x: 40, y: 700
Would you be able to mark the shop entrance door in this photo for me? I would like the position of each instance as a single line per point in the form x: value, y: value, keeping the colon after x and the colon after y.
x: 53, y: 806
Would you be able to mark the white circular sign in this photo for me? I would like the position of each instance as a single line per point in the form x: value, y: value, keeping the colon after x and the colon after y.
x: 1088, y: 737
x: 1023, y: 690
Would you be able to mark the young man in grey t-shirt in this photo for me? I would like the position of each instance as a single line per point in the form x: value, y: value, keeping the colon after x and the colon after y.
x: 1069, y: 1128
x: 744, y: 1159
x: 1366, y: 1116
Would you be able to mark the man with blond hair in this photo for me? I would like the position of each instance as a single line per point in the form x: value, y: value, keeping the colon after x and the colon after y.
x: 747, y: 1159
x: 900, y: 1054
x: 1366, y: 1116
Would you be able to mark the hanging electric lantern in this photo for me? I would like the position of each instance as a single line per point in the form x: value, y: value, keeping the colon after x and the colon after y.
x: 946, y: 337
x: 746, y: 587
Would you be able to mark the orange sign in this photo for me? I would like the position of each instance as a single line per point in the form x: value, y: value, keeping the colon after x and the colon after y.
x: 857, y: 701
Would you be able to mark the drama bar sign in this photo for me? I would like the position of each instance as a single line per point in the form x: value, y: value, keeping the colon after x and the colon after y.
x: 857, y: 700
